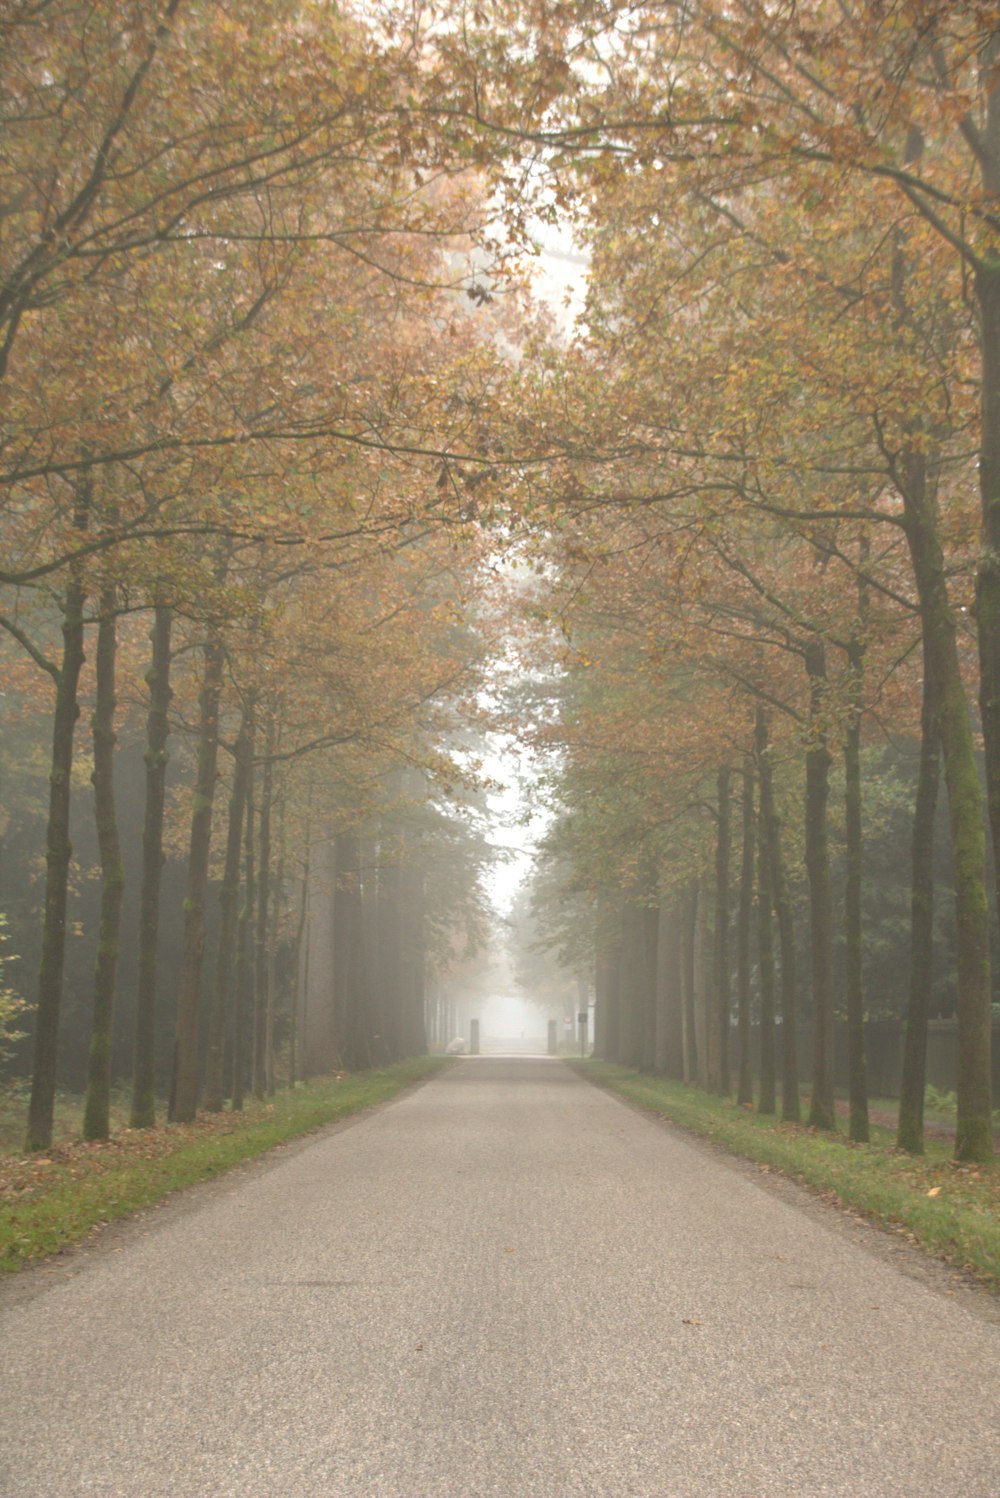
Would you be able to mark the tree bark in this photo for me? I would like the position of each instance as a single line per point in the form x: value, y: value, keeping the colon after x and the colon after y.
x: 58, y: 852
x: 718, y: 1044
x: 666, y: 1050
x: 261, y: 995
x: 974, y: 1132
x: 157, y: 734
x: 766, y: 1102
x: 858, y: 1129
x: 822, y: 1113
x: 691, y: 927
x: 229, y: 895
x: 606, y: 985
x: 744, y: 1094
x: 97, y: 1108
x: 910, y: 1133
x: 350, y: 979
x: 184, y: 1091
x: 244, y: 1007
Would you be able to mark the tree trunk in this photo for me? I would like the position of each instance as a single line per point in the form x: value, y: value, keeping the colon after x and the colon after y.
x: 606, y: 986
x: 718, y: 1071
x: 704, y: 958
x: 822, y: 1113
x: 229, y: 895
x: 350, y: 979
x: 649, y: 937
x: 184, y: 1091
x: 261, y: 996
x: 689, y: 968
x: 765, y: 929
x: 157, y: 734
x: 770, y: 834
x: 244, y: 1007
x: 974, y: 1133
x: 744, y: 1093
x: 97, y: 1109
x: 854, y: 995
x: 369, y: 942
x: 273, y: 940
x: 667, y: 1051
x: 58, y: 852
x: 910, y: 1134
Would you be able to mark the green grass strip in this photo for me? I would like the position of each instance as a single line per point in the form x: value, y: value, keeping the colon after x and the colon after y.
x: 950, y: 1210
x: 55, y: 1202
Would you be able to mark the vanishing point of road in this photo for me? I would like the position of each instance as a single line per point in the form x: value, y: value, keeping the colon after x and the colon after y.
x: 506, y: 1282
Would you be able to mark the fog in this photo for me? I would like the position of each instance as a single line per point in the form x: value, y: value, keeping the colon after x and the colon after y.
x: 508, y: 1023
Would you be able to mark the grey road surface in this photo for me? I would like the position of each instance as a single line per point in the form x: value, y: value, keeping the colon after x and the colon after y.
x: 507, y: 1282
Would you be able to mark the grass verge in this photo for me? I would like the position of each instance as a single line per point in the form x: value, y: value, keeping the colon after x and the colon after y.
x: 48, y: 1202
x: 950, y: 1210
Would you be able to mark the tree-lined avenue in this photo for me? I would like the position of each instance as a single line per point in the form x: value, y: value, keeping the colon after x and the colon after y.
x: 507, y: 1282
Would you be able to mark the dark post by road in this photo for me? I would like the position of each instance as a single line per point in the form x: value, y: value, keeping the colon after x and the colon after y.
x: 582, y: 1019
x: 553, y: 1038
x: 474, y: 1038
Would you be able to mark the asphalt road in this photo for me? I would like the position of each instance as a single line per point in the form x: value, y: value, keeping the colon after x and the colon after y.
x: 506, y: 1282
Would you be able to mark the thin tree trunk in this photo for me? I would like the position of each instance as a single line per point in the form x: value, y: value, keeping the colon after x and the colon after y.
x: 261, y: 997
x: 718, y: 1076
x: 606, y: 970
x: 301, y: 961
x: 765, y: 929
x: 350, y: 978
x: 704, y: 957
x: 369, y: 943
x: 910, y: 1134
x: 664, y: 1045
x: 649, y: 933
x: 858, y: 1129
x: 244, y: 1008
x: 58, y: 852
x: 229, y: 895
x: 770, y: 833
x: 744, y: 1094
x: 688, y: 973
x: 184, y: 1091
x: 157, y: 734
x: 97, y: 1109
x: 822, y: 1113
x: 272, y: 945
